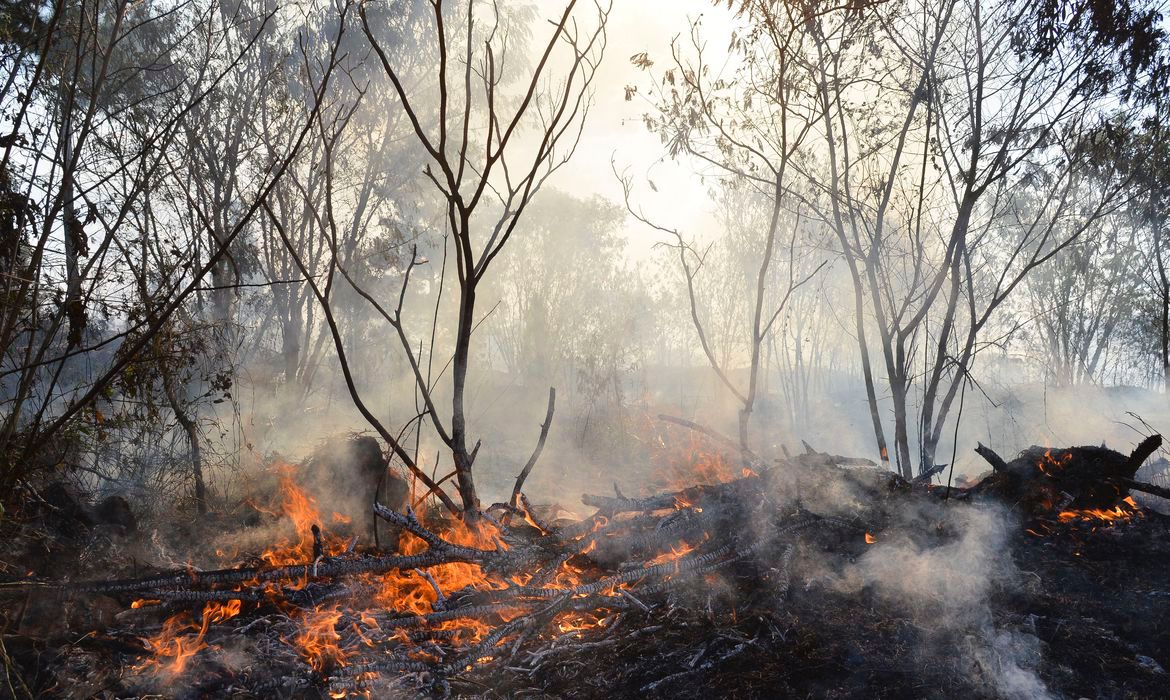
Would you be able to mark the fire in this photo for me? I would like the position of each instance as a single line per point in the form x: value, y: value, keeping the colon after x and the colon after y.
x: 578, y: 621
x: 408, y: 592
x: 869, y: 538
x: 528, y: 519
x: 674, y: 554
x: 691, y: 463
x: 181, y: 637
x: 1049, y: 464
x: 301, y: 509
x: 1125, y: 510
x: 218, y: 612
x: 318, y: 639
x: 327, y: 636
x: 176, y: 643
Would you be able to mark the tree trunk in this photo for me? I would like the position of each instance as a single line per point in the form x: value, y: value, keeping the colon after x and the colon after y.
x: 901, y: 426
x: 463, y: 459
x: 1164, y: 289
x: 192, y: 431
x: 74, y: 232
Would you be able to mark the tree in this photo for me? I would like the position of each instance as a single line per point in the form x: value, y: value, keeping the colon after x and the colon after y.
x: 751, y: 127
x: 472, y: 64
x: 98, y: 97
x: 920, y: 175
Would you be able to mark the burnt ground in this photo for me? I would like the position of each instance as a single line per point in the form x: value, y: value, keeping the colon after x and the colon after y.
x: 1097, y: 603
x: 951, y: 600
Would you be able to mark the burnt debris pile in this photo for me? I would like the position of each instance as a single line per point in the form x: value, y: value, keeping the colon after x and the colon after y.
x: 815, y: 575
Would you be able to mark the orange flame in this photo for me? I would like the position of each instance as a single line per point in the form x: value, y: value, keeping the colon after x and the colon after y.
x: 1125, y: 510
x: 577, y: 621
x: 674, y: 554
x: 690, y: 463
x: 174, y: 641
x: 321, y: 633
x: 1049, y: 464
x: 318, y: 639
x: 301, y: 508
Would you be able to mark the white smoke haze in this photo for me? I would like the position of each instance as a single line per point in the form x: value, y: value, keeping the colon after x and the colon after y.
x: 879, y: 260
x: 945, y: 585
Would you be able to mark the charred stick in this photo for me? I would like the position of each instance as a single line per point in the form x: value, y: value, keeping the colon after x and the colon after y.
x: 471, y: 611
x: 630, y: 597
x: 484, y: 648
x: 708, y: 664
x: 814, y: 457
x: 993, y: 459
x: 593, y: 523
x: 531, y: 514
x: 318, y: 548
x: 785, y: 571
x: 686, y: 525
x: 328, y: 569
x: 740, y: 555
x: 552, y: 402
x: 440, y: 599
x: 926, y: 476
x: 210, y: 596
x: 410, y: 523
x: 1143, y: 487
x: 313, y: 595
x: 692, y: 495
x: 345, y: 680
x: 546, y: 574
x: 676, y: 567
x: 1142, y: 452
x: 664, y: 569
x: 614, y: 504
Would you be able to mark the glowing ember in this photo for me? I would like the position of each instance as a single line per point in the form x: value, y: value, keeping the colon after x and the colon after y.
x: 675, y: 553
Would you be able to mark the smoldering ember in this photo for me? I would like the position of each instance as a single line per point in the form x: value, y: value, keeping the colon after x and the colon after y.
x: 549, y: 348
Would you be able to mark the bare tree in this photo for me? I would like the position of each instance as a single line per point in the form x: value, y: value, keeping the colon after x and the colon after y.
x: 921, y: 174
x: 751, y: 127
x: 472, y: 67
x: 135, y: 74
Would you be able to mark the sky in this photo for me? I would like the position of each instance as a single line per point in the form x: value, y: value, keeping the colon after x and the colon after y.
x: 615, y: 131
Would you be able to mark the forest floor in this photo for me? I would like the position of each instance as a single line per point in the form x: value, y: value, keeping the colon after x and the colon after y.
x: 933, y: 599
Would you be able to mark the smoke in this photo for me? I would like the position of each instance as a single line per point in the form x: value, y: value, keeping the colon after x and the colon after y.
x: 942, y: 566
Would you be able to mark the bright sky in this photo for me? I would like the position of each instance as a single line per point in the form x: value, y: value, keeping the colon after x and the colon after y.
x: 615, y: 130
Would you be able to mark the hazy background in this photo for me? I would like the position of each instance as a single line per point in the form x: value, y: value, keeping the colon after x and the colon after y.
x: 586, y: 297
